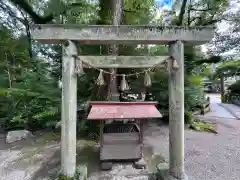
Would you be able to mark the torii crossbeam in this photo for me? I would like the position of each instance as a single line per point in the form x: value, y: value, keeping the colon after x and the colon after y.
x: 123, y: 34
x: 123, y: 61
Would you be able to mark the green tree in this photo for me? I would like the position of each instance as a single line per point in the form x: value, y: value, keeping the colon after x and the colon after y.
x: 189, y: 13
x: 27, y: 88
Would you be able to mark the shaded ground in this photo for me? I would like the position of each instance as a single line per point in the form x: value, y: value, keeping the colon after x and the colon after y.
x: 37, y: 159
x: 207, y: 156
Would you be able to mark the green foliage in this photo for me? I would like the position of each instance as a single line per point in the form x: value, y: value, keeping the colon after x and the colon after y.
x: 228, y: 69
x: 195, y: 80
x: 63, y: 177
x: 193, y: 92
x: 188, y: 118
x: 160, y: 88
x: 137, y: 12
x: 212, y: 59
x: 203, y: 126
x: 235, y: 88
x: 29, y: 93
x: 194, y: 97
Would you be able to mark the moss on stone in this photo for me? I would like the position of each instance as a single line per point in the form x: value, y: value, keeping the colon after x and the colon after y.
x: 63, y: 177
x: 203, y: 126
x: 48, y: 137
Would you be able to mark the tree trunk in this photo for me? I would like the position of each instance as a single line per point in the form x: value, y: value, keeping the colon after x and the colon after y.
x: 116, y: 11
x: 8, y: 71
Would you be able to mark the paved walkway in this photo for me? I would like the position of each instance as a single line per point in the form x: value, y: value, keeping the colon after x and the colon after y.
x: 221, y: 110
x: 232, y: 109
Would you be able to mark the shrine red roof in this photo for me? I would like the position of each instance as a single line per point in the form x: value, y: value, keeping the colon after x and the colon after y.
x: 105, y: 110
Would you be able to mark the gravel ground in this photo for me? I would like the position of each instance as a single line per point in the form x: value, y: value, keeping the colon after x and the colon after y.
x: 207, y: 156
x: 213, y: 157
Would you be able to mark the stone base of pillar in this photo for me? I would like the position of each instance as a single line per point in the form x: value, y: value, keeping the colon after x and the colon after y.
x: 163, y: 173
x: 82, y: 172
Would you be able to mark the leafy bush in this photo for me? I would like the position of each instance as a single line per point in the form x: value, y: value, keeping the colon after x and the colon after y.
x: 160, y: 89
x: 228, y: 69
x: 193, y: 93
x: 235, y: 88
x: 194, y: 97
x: 31, y: 105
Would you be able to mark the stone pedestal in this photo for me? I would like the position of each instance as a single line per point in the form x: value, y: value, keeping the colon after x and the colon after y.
x: 164, y: 173
x: 141, y: 164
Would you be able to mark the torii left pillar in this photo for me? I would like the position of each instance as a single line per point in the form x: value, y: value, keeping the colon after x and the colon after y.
x: 69, y: 111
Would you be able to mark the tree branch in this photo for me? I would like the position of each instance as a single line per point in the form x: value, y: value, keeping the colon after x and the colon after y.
x: 193, y: 9
x: 189, y: 13
x: 130, y: 11
x: 213, y: 21
x: 27, y: 26
x: 22, y: 20
x: 37, y: 18
x: 182, y: 12
x: 28, y: 9
x: 11, y: 13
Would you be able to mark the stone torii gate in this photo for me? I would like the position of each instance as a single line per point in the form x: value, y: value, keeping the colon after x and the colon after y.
x: 174, y: 36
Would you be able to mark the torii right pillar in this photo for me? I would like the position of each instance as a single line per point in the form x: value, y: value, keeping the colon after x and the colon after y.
x: 176, y: 110
x: 175, y: 169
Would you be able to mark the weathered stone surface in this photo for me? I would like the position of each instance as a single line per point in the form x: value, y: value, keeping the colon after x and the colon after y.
x: 123, y: 34
x: 13, y: 136
x: 123, y: 61
x: 69, y: 111
x: 141, y: 164
x: 176, y: 109
x: 162, y: 166
x: 58, y: 125
x: 164, y: 174
x: 82, y: 172
x: 105, y: 166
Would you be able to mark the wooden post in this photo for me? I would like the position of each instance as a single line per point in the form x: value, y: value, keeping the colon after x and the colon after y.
x: 69, y: 111
x: 176, y: 110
